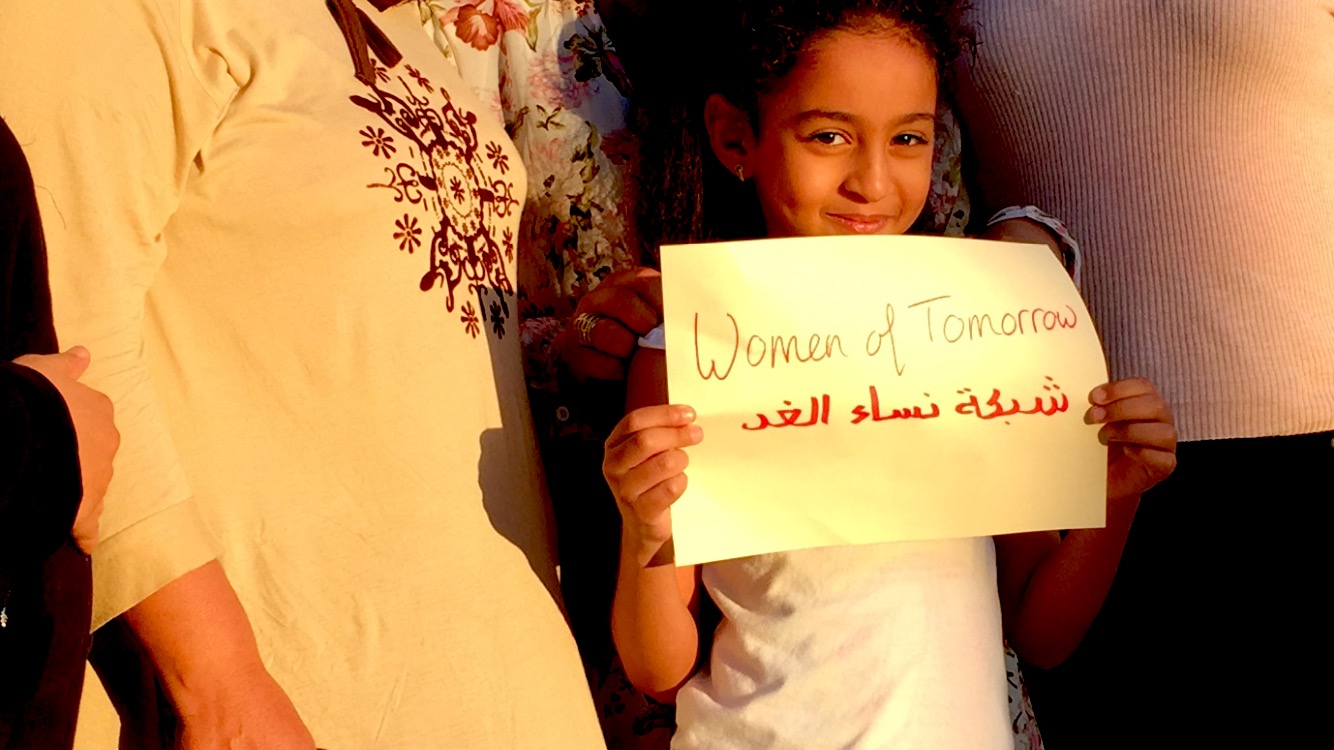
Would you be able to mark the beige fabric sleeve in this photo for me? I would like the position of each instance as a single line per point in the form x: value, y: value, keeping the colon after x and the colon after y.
x: 111, y: 115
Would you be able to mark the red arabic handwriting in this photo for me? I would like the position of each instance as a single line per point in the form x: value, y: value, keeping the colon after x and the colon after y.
x: 789, y: 417
x: 996, y: 406
x: 907, y: 412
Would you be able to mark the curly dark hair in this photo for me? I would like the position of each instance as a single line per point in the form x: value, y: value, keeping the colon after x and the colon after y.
x: 772, y: 35
x: 684, y: 194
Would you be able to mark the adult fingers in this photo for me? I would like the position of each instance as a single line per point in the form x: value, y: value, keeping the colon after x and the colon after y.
x: 93, y: 416
x: 634, y: 298
x: 610, y: 337
x: 589, y: 363
x: 75, y: 361
x: 69, y: 364
x: 647, y: 283
x: 87, y: 524
x: 624, y: 301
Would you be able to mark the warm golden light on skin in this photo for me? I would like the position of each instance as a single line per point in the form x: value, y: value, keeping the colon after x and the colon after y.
x: 845, y: 148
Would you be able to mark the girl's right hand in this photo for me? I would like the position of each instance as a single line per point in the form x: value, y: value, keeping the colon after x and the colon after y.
x: 645, y: 467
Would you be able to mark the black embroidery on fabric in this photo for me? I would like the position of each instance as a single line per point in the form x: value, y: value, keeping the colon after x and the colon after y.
x: 455, y: 188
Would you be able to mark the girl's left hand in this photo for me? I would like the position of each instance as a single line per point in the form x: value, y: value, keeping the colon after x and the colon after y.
x: 1138, y: 431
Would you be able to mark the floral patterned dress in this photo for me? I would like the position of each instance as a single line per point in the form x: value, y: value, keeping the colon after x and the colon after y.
x: 549, y: 69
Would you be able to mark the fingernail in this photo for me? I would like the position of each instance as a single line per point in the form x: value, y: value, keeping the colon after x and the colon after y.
x: 696, y: 433
x: 685, y: 413
x: 1095, y: 415
x: 1098, y: 395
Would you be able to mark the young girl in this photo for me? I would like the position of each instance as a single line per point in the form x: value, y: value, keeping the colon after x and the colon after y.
x: 829, y: 123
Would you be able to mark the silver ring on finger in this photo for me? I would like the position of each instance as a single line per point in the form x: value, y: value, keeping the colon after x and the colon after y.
x: 584, y: 323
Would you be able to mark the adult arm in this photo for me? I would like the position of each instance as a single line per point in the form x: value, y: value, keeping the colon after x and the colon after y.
x: 113, y: 107
x: 200, y: 642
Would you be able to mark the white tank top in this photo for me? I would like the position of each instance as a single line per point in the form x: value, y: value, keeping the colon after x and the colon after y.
x: 870, y: 646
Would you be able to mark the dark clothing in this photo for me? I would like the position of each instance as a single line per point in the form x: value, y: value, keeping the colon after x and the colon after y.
x: 1213, y: 633
x: 45, y: 581
x: 25, y: 298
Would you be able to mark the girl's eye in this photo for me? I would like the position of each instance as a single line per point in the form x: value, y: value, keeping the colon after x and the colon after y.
x: 829, y: 138
x: 911, y: 139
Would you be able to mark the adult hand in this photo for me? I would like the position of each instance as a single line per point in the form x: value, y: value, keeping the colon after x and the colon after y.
x: 598, y: 340
x: 94, y: 429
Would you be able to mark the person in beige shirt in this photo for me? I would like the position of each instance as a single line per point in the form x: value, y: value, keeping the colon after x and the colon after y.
x: 287, y: 237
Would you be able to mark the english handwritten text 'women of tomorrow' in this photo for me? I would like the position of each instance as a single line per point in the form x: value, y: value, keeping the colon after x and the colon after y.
x: 941, y: 325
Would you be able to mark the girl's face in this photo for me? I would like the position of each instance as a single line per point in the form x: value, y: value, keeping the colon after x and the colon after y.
x: 845, y: 140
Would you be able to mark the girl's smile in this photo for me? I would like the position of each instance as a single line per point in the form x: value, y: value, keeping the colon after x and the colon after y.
x: 861, y: 223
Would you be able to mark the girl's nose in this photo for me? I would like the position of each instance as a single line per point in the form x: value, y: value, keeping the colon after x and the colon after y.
x: 868, y: 176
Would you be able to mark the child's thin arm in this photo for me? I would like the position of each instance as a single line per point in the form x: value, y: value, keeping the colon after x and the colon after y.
x: 653, y: 614
x: 1052, y: 588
